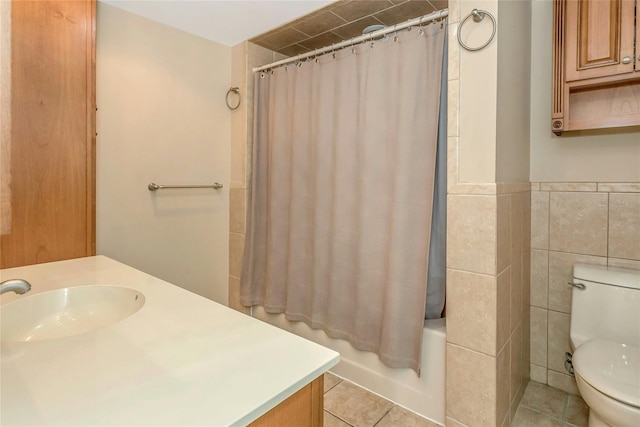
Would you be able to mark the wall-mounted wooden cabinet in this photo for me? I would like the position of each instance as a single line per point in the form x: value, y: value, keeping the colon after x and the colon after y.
x: 52, y: 136
x: 596, y: 65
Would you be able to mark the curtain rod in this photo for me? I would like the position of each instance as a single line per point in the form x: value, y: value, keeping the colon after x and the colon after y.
x: 391, y: 29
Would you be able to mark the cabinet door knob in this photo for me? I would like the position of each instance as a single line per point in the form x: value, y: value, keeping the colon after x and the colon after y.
x: 626, y: 60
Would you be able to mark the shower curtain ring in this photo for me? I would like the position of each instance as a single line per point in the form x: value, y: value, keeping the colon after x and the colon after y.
x: 421, y: 30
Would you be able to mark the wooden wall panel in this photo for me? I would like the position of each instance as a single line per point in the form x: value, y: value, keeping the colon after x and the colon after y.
x: 53, y: 132
x: 605, y: 106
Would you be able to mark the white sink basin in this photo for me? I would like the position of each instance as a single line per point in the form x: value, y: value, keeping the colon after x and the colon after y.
x: 66, y: 312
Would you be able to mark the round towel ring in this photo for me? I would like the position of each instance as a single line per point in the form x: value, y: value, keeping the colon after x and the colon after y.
x: 478, y: 15
x: 235, y: 90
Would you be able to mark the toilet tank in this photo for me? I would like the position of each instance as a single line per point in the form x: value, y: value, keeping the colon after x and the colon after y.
x: 609, y: 306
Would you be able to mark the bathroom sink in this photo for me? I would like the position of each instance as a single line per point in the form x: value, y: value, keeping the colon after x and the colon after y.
x: 66, y: 312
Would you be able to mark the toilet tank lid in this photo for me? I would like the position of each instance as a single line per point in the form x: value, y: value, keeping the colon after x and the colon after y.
x: 607, y: 275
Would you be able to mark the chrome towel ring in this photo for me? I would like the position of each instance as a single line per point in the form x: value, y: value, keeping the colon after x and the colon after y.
x: 235, y: 90
x: 478, y: 16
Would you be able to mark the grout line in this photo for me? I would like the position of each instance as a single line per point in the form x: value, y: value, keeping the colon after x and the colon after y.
x: 393, y: 404
x: 329, y: 412
x: 385, y: 414
x: 539, y: 412
x: 608, y: 224
x: 565, y: 409
x: 333, y: 386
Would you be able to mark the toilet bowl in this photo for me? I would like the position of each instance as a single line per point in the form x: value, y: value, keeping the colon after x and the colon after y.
x: 605, y: 336
x: 608, y: 377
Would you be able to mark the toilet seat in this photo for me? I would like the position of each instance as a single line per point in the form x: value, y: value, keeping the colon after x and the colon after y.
x: 611, y: 368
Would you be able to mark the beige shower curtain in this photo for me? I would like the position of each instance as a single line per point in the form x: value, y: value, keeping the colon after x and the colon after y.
x: 342, y: 189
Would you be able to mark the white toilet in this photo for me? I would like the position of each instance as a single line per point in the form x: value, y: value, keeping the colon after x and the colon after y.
x: 605, y: 336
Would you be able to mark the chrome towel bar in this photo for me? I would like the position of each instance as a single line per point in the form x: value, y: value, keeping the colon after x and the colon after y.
x: 154, y: 187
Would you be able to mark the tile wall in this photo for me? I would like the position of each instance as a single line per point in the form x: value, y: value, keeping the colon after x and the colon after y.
x: 593, y: 223
x: 244, y: 57
x: 487, y: 303
x: 342, y: 20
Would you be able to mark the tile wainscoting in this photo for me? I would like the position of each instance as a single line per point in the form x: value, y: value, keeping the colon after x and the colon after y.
x: 573, y: 222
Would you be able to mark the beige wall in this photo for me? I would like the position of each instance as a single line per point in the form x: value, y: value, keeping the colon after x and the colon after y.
x: 593, y: 156
x: 162, y: 118
x: 593, y: 223
x: 478, y: 96
x: 494, y: 95
x: 514, y: 73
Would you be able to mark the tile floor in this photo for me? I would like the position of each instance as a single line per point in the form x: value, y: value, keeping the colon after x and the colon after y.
x: 545, y: 406
x: 347, y: 405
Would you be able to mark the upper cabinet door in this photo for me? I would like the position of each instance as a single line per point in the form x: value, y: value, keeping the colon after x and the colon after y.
x: 52, y: 134
x: 600, y: 38
x: 637, y: 61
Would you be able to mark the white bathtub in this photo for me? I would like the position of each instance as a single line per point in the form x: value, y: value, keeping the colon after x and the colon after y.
x: 424, y: 394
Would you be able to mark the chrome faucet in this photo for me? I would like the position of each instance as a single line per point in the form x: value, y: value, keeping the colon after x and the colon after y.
x: 19, y: 286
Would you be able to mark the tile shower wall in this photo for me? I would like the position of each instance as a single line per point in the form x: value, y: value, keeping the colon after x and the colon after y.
x: 342, y: 20
x: 593, y: 223
x: 244, y: 57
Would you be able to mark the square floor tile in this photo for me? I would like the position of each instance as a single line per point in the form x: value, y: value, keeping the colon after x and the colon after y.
x: 330, y: 381
x: 544, y: 399
x: 526, y: 417
x: 399, y: 416
x: 577, y: 412
x: 332, y: 421
x: 355, y: 405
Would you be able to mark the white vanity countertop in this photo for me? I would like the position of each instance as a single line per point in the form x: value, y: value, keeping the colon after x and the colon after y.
x: 181, y: 360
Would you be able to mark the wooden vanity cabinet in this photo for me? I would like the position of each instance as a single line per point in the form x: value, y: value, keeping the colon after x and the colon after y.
x: 52, y: 143
x: 302, y: 409
x: 596, y: 65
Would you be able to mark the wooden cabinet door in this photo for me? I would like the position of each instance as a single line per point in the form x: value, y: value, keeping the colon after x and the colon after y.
x: 52, y: 132
x: 305, y: 408
x: 599, y: 38
x: 637, y: 59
